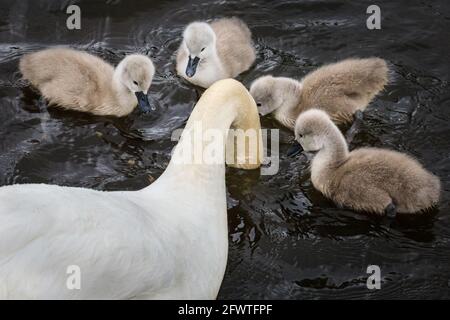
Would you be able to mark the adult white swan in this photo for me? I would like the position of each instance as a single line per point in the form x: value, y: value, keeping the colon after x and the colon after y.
x: 167, y: 241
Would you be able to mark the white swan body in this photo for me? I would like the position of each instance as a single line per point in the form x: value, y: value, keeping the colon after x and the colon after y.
x: 166, y: 241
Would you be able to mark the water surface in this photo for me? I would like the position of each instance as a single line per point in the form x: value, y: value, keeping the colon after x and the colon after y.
x: 286, y: 240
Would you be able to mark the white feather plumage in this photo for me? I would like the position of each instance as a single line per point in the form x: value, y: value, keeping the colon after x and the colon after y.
x: 166, y: 241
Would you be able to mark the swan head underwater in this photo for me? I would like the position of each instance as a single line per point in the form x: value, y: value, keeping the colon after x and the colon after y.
x: 199, y: 40
x: 273, y: 93
x: 312, y: 129
x: 135, y: 72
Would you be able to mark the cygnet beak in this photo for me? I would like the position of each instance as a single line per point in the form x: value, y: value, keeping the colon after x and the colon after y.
x: 192, y: 66
x: 295, y: 149
x: 260, y: 110
x: 143, y: 103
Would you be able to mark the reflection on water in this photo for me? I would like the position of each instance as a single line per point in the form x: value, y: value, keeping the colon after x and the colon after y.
x: 286, y: 240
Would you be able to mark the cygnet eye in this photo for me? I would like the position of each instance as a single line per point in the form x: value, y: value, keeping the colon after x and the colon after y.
x: 135, y: 82
x: 300, y: 135
x: 202, y: 49
x: 258, y: 104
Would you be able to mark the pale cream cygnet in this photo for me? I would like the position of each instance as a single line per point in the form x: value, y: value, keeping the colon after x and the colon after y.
x: 215, y: 50
x: 79, y: 81
x: 341, y: 89
x: 373, y: 180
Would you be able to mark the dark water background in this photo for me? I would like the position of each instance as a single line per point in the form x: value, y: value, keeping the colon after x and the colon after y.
x: 286, y: 240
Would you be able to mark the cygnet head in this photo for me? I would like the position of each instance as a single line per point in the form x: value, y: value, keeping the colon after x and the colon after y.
x: 266, y: 98
x: 272, y: 93
x: 312, y: 129
x: 200, y: 41
x: 136, y: 73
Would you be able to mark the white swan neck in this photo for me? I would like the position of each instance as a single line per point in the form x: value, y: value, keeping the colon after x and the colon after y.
x: 191, y: 157
x: 200, y: 154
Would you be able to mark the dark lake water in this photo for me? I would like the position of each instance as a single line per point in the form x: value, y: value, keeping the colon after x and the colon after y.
x: 286, y: 240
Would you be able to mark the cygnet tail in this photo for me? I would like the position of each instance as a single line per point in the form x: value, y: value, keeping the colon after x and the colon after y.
x: 33, y: 69
x: 425, y: 196
x: 241, y: 24
x: 366, y: 76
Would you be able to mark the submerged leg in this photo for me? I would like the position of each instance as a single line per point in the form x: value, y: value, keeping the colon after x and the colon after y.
x: 391, y: 211
x: 358, y: 118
